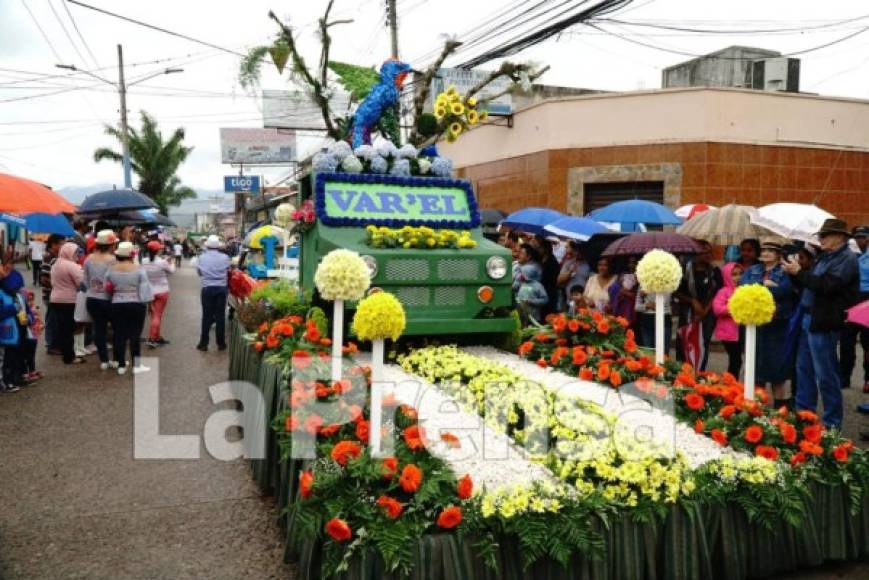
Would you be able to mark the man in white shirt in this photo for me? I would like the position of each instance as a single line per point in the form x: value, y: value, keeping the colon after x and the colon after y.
x: 37, y: 251
x: 177, y: 251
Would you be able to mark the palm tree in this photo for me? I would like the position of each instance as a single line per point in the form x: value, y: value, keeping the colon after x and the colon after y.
x: 154, y: 161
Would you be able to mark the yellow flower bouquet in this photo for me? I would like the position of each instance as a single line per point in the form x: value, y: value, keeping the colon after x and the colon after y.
x: 752, y: 304
x: 421, y: 237
x: 659, y: 272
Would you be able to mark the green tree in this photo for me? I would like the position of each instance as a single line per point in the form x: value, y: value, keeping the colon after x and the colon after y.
x: 154, y: 161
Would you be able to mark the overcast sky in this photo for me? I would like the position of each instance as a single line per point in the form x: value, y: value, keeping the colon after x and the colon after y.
x: 51, y: 138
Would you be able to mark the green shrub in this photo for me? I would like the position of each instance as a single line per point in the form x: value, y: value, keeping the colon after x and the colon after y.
x: 284, y: 297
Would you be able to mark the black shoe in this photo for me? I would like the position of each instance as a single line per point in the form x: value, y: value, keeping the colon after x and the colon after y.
x: 202, y: 347
x: 161, y: 341
x: 221, y: 347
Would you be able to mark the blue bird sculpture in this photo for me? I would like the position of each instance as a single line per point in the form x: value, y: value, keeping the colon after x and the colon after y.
x: 383, y: 95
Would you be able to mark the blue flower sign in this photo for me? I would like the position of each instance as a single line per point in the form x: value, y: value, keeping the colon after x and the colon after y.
x: 361, y: 199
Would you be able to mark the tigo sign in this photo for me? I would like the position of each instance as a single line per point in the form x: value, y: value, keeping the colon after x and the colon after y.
x: 241, y: 184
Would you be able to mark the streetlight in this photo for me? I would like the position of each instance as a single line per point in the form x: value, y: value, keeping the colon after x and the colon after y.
x: 121, y: 86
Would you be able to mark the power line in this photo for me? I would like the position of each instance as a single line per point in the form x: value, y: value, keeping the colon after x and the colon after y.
x: 80, y: 35
x: 157, y: 28
x: 41, y: 31
x: 739, y: 31
x: 65, y: 31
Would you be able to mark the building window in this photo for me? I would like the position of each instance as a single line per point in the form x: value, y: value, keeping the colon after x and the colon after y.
x: 598, y: 195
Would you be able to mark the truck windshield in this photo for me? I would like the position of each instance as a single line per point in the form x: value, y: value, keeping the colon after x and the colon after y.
x: 358, y: 200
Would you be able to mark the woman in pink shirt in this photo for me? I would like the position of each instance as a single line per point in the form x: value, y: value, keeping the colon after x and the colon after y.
x: 66, y: 277
x: 726, y: 329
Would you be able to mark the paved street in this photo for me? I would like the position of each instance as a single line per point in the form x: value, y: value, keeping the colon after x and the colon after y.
x: 75, y: 504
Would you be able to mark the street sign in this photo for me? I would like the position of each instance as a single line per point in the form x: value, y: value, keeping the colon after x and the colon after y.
x: 464, y: 80
x: 241, y: 184
x: 257, y: 146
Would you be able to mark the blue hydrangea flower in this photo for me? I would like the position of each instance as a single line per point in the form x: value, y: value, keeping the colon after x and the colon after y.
x: 407, y: 152
x: 401, y: 168
x: 386, y: 149
x: 324, y: 163
x: 379, y: 165
x: 441, y: 167
x: 340, y: 149
x: 366, y: 152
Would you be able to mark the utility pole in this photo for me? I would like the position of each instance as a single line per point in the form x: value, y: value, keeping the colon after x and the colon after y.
x: 393, y: 26
x: 125, y: 134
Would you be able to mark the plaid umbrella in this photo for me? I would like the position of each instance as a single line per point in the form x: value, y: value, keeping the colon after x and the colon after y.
x: 724, y: 226
x: 639, y: 244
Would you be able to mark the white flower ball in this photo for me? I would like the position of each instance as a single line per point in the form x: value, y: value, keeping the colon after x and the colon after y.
x: 407, y: 152
x: 424, y: 166
x: 351, y: 164
x: 340, y: 149
x: 284, y: 214
x: 342, y: 275
x: 386, y: 149
x: 366, y: 152
x: 659, y: 272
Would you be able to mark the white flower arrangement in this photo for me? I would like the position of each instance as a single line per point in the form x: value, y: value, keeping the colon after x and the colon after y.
x: 401, y: 168
x: 284, y: 214
x: 340, y: 149
x: 659, y: 272
x: 366, y: 152
x: 407, y: 151
x: 342, y: 275
x: 424, y: 166
x: 351, y: 164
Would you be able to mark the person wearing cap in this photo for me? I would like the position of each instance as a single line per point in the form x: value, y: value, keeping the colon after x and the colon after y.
x: 829, y: 289
x: 213, y: 268
x: 848, y: 343
x: 128, y: 284
x: 158, y: 270
x: 772, y: 368
x: 99, y: 303
x: 66, y: 278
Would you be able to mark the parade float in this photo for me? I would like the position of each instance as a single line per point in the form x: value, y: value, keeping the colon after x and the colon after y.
x: 577, y: 455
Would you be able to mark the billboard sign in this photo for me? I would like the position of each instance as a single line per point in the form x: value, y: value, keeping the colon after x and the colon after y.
x: 257, y: 146
x: 241, y: 184
x: 466, y: 79
x: 296, y: 110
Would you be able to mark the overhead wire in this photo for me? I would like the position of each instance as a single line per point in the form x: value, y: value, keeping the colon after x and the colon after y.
x: 41, y: 31
x: 65, y: 31
x: 78, y: 32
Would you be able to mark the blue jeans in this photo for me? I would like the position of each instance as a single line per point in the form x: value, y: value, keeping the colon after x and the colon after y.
x: 818, y: 370
x: 213, y: 312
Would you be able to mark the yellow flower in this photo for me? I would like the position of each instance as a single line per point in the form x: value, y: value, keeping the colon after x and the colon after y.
x: 659, y: 272
x: 457, y: 108
x: 472, y: 102
x: 473, y: 117
x: 440, y: 112
x: 455, y: 129
x: 752, y: 304
x: 379, y: 316
x: 342, y: 275
x: 484, y: 115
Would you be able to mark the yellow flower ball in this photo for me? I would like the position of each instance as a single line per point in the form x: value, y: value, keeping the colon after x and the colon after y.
x: 379, y: 316
x: 342, y: 275
x: 659, y: 272
x: 752, y: 304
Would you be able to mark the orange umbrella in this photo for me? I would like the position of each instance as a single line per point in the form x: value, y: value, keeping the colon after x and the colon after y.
x: 22, y: 196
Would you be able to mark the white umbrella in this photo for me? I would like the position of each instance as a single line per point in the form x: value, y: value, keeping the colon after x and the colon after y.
x: 795, y: 221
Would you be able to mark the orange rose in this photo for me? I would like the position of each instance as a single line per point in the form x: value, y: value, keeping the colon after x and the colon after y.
x: 330, y: 430
x: 586, y: 374
x: 525, y: 348
x: 362, y: 431
x: 272, y: 342
x: 810, y: 448
x: 719, y: 437
x: 391, y: 506
x: 603, y: 372
x: 753, y: 434
x: 465, y: 487
x: 414, y: 437
x: 798, y: 458
x: 813, y: 433
x: 306, y: 482
x: 788, y: 433
x: 699, y: 426
x: 840, y: 453
x: 615, y: 378
x: 411, y: 478
x: 541, y: 362
x: 338, y: 530
x: 573, y: 326
x: 807, y: 416
x: 727, y: 411
x: 766, y: 452
x: 450, y: 518
x: 258, y: 345
x: 389, y: 467
x: 694, y: 402
x: 344, y: 451
x: 603, y: 327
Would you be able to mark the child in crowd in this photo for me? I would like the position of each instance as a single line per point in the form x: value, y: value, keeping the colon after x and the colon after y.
x: 726, y: 329
x: 576, y: 300
x: 34, y: 329
x: 532, y: 295
x: 10, y: 321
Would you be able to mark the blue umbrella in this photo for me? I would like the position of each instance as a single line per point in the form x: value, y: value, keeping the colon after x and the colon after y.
x: 576, y: 228
x: 115, y: 200
x: 531, y: 219
x: 46, y: 223
x: 13, y: 219
x: 636, y: 211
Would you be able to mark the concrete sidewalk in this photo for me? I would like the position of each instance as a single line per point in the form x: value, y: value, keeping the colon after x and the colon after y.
x: 75, y: 504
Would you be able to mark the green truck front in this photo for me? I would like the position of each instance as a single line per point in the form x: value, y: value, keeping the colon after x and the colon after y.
x: 444, y: 291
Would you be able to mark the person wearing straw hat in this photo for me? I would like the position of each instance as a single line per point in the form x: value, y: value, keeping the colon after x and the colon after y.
x: 128, y: 284
x: 772, y: 366
x: 99, y: 303
x: 213, y: 268
x: 829, y: 289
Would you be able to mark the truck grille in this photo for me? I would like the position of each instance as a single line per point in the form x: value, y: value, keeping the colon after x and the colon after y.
x: 407, y: 270
x: 458, y: 269
x: 413, y: 295
x: 450, y: 295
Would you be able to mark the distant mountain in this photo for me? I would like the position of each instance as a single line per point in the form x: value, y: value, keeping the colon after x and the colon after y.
x: 77, y: 194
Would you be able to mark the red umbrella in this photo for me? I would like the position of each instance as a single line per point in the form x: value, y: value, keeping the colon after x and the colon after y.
x: 640, y: 243
x: 22, y: 196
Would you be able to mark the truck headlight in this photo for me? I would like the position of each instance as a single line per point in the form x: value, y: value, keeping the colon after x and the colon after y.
x: 371, y: 262
x: 496, y: 267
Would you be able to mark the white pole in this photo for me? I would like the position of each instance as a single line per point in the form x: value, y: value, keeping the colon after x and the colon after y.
x: 659, y: 328
x: 376, y: 411
x: 337, y: 339
x: 750, y: 351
